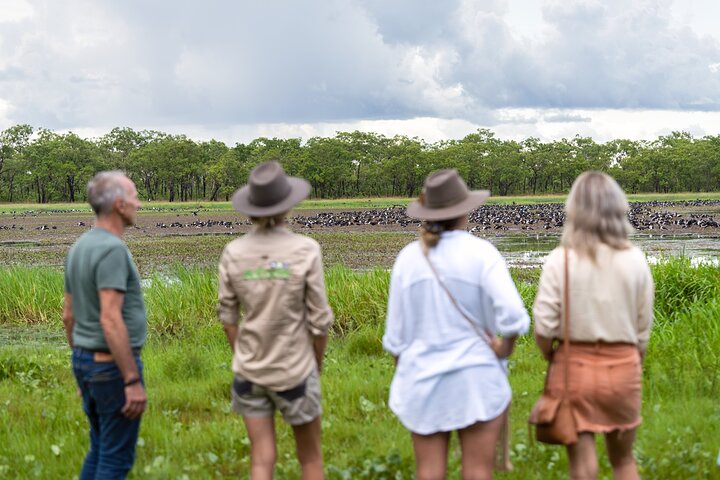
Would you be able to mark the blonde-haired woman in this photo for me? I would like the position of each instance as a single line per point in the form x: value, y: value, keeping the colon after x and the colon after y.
x: 276, y: 278
x: 610, y: 311
x: 450, y: 295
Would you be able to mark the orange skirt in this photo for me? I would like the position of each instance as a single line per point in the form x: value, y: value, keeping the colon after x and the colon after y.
x: 604, y: 385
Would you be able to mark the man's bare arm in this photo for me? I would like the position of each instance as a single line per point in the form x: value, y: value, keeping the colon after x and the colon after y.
x: 116, y: 336
x: 68, y: 318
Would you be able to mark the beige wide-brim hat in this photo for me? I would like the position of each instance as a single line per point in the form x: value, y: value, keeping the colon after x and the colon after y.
x: 446, y: 196
x: 269, y: 191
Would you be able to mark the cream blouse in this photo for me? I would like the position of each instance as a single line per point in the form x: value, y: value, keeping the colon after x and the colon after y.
x: 611, y: 298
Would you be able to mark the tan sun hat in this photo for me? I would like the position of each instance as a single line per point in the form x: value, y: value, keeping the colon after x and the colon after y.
x: 445, y: 196
x: 269, y: 191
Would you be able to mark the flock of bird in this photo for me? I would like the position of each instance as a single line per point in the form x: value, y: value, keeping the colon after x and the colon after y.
x: 642, y: 215
x: 200, y: 224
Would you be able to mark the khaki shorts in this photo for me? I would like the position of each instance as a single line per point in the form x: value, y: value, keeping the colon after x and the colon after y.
x: 298, y: 406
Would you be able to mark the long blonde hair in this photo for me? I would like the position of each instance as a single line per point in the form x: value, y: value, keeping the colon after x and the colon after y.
x: 596, y: 213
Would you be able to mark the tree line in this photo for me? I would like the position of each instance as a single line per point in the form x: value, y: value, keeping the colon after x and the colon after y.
x: 39, y: 165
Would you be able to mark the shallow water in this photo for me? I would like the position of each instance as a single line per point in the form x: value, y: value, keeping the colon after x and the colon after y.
x: 531, y: 250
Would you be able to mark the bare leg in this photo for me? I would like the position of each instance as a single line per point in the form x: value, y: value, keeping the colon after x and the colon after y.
x: 619, y: 447
x: 261, y: 431
x: 583, y: 458
x: 478, y: 443
x: 307, y: 444
x: 431, y: 455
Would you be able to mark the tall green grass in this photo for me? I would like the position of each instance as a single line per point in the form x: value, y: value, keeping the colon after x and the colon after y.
x: 189, y: 431
x: 679, y: 286
x: 30, y: 295
x: 181, y: 299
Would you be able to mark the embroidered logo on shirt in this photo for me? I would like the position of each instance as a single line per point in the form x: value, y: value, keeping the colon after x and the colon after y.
x: 276, y: 270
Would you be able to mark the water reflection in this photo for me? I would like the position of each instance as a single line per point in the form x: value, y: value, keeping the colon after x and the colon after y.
x: 530, y: 250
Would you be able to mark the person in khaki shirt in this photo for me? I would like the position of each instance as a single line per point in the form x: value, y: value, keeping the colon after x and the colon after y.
x: 276, y: 278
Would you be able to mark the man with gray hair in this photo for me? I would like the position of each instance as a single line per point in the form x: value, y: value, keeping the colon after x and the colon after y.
x: 106, y: 324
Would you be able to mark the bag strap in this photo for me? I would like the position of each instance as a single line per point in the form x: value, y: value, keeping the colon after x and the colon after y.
x: 502, y: 459
x: 484, y: 335
x: 566, y: 322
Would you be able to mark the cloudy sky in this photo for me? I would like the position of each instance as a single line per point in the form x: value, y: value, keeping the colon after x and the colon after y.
x: 236, y: 70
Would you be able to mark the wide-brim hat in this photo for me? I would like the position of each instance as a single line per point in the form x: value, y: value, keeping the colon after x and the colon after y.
x: 269, y: 191
x: 446, y: 196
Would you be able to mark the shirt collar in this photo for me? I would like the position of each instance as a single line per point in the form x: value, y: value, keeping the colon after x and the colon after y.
x: 452, y: 233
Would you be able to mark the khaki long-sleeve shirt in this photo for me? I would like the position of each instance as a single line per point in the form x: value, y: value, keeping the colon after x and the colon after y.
x: 276, y: 278
x: 611, y: 299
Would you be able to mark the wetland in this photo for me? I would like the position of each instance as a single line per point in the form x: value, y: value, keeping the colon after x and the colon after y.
x: 189, y: 430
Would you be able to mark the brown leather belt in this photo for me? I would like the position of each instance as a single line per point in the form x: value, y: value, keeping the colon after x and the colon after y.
x: 102, y: 357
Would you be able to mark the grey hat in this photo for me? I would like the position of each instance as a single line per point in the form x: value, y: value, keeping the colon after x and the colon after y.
x: 269, y: 191
x: 445, y: 196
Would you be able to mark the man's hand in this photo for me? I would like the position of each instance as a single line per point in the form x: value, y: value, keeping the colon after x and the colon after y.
x: 135, y: 401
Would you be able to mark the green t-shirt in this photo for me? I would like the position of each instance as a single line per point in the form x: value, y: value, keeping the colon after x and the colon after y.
x: 100, y: 260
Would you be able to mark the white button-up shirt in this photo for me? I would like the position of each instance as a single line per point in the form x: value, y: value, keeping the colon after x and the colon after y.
x: 447, y: 376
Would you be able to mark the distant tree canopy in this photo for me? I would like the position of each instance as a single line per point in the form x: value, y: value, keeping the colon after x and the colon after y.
x: 43, y: 166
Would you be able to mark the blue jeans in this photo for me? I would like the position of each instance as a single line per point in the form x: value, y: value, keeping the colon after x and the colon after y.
x: 112, y: 435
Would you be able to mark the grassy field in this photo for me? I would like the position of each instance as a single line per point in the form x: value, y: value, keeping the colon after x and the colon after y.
x: 189, y: 431
x: 363, y: 250
x: 349, y: 203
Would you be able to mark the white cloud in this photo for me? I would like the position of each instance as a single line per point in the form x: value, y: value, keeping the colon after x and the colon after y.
x: 5, y: 111
x: 604, y: 124
x: 432, y: 67
x: 15, y: 10
x: 513, y: 124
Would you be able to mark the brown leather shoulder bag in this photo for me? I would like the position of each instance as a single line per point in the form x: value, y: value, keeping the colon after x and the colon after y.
x: 552, y: 415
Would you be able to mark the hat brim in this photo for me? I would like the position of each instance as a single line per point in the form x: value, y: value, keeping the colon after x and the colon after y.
x: 299, y: 191
x: 473, y: 201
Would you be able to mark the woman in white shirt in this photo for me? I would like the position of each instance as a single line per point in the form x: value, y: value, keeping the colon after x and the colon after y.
x: 449, y: 375
x: 610, y: 309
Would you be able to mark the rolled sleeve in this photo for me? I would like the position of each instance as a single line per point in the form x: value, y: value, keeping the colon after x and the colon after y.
x: 319, y: 314
x: 546, y: 310
x: 228, y: 303
x: 511, y: 318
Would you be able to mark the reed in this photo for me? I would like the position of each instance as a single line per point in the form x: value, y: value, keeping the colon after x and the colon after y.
x: 679, y: 284
x: 181, y: 299
x: 30, y: 295
x: 189, y: 430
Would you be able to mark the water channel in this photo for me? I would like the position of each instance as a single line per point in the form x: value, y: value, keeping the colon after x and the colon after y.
x: 531, y: 250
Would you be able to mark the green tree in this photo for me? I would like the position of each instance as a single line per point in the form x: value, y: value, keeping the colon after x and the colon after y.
x: 13, y: 141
